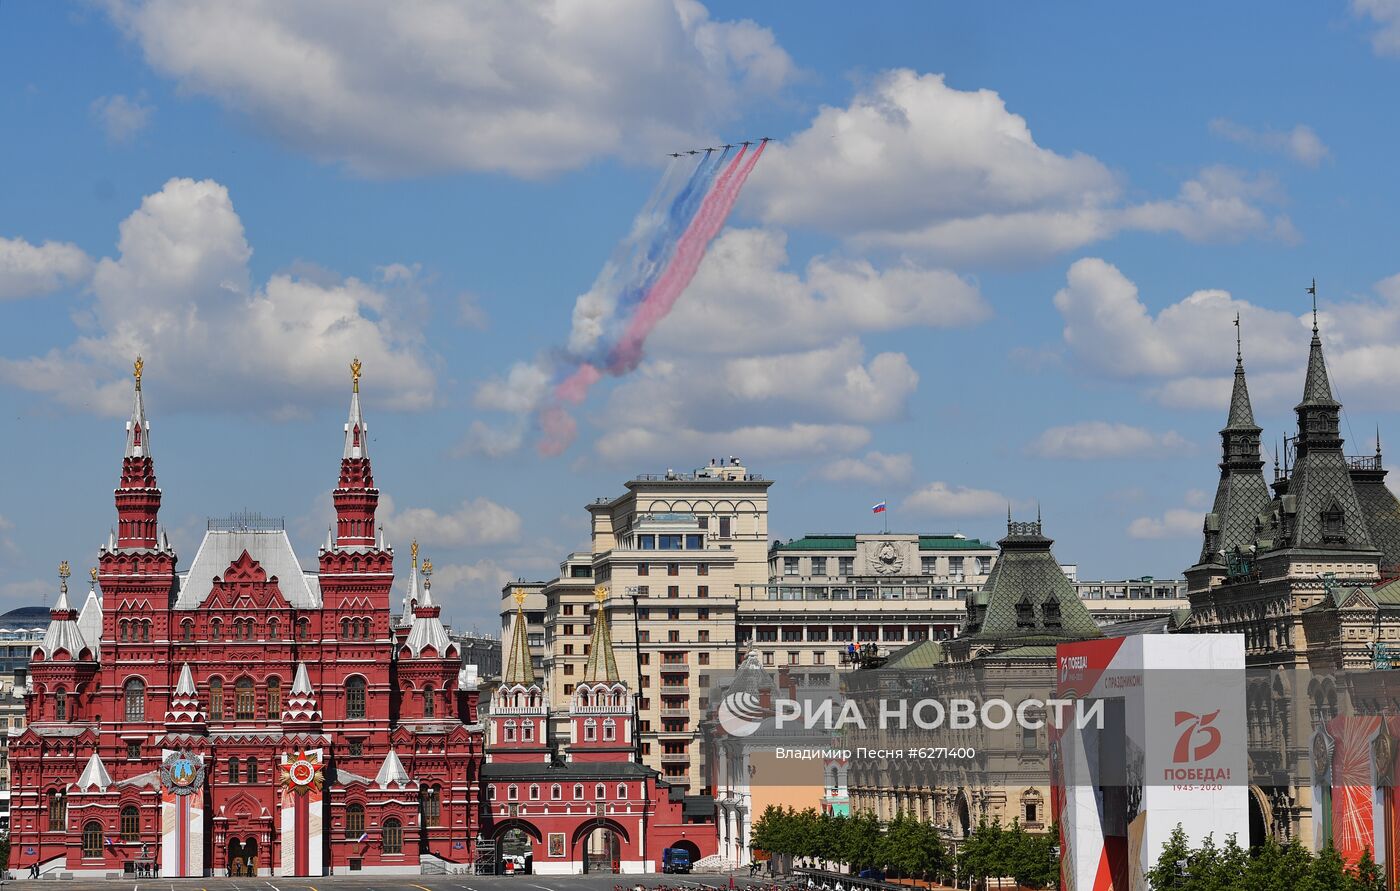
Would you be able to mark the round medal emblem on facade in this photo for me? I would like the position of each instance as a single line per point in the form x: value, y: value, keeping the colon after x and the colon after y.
x: 182, y: 773
x: 302, y: 773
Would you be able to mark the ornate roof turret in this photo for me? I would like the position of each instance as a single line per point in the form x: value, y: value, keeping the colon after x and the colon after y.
x: 1028, y: 594
x: 137, y: 495
x: 95, y: 776
x: 63, y: 635
x: 602, y: 661
x: 1242, y: 494
x: 355, y: 495
x: 520, y: 668
x: 185, y: 708
x: 90, y: 619
x: 414, y: 592
x: 428, y: 630
x: 301, y: 705
x: 392, y: 772
x: 1320, y: 507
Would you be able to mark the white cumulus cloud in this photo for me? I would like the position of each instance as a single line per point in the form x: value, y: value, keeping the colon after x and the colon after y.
x: 28, y: 270
x: 528, y: 88
x: 121, y: 117
x: 1386, y: 16
x: 474, y: 522
x: 179, y: 292
x: 1301, y: 142
x: 986, y: 189
x: 1105, y: 439
x: 942, y: 499
x: 872, y: 468
x: 1178, y: 522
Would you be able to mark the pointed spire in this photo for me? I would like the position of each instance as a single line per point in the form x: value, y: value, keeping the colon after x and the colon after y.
x: 95, y: 775
x: 428, y: 630
x: 138, y: 429
x: 355, y: 444
x: 137, y: 496
x: 185, y: 686
x: 63, y: 634
x: 602, y: 661
x: 392, y: 772
x: 1317, y: 389
x: 90, y: 618
x: 520, y: 669
x: 1241, y: 415
x: 301, y: 683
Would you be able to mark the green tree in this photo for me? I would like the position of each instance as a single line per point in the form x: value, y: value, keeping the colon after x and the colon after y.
x: 1328, y: 872
x: 1369, y: 875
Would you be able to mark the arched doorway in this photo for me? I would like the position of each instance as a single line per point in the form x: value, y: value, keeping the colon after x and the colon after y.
x: 602, y: 851
x: 1258, y: 821
x: 689, y: 847
x: 515, y: 847
x: 243, y: 857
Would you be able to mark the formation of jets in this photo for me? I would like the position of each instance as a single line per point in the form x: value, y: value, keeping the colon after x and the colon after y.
x: 726, y: 146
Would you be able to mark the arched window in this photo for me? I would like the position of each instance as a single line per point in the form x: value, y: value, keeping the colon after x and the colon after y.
x: 527, y: 731
x: 146, y: 630
x: 609, y: 729
x: 509, y: 730
x: 60, y: 704
x: 354, y: 820
x: 556, y: 792
x: 600, y: 792
x: 125, y: 630
x: 216, y: 630
x: 58, y: 810
x: 428, y: 701
x: 274, y: 699
x: 393, y: 836
x: 135, y: 700
x: 187, y: 629
x: 590, y: 730
x: 432, y: 805
x: 535, y: 792
x: 92, y: 839
x: 235, y: 772
x: 512, y: 792
x: 250, y: 770
x: 578, y: 791
x: 621, y: 791
x: 216, y: 699
x: 304, y: 628
x: 243, y: 708
x: 345, y: 628
x: 131, y: 824
x: 274, y: 630
x: 355, y: 697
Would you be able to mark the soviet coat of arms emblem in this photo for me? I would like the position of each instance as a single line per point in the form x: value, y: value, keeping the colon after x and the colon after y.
x: 182, y: 773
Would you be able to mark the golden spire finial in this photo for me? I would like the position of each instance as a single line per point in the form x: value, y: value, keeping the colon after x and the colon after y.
x: 92, y: 573
x: 427, y: 566
x: 355, y: 367
x: 63, y: 574
x: 413, y: 549
x: 600, y: 593
x: 136, y: 369
x: 519, y: 595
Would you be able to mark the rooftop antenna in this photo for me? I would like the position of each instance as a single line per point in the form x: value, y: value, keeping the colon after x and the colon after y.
x: 1239, y: 355
x: 1313, y: 291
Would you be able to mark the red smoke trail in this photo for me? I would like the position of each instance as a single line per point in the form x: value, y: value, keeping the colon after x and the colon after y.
x: 557, y: 427
x: 689, y: 252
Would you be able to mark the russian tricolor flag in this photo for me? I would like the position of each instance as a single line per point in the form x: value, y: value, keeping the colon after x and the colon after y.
x: 878, y: 509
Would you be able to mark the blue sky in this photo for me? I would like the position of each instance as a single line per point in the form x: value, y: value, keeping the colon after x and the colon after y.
x: 992, y: 255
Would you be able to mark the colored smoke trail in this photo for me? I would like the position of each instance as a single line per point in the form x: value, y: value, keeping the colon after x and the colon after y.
x: 665, y: 251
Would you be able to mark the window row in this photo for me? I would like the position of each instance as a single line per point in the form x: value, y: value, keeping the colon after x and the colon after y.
x: 556, y: 792
x: 244, y: 629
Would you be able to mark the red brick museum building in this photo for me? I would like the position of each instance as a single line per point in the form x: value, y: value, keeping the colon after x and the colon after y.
x: 245, y: 716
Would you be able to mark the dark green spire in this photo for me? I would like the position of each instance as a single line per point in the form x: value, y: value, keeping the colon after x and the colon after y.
x: 520, y: 669
x: 602, y: 661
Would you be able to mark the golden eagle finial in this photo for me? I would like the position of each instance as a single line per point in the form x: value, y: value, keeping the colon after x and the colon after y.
x: 137, y: 367
x: 600, y: 593
x: 413, y: 549
x: 519, y: 597
x: 427, y: 566
x: 92, y: 573
x: 355, y: 367
x: 63, y: 574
